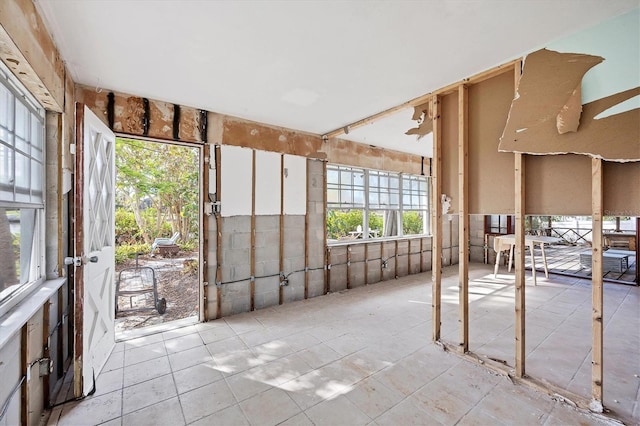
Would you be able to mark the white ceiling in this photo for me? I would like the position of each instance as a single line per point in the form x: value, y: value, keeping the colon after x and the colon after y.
x: 308, y: 65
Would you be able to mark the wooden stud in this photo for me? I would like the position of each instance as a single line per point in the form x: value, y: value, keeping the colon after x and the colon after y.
x: 409, y: 257
x: 281, y: 249
x: 421, y: 254
x: 218, y: 159
x: 519, y: 210
x: 381, y: 261
x: 637, y: 249
x: 463, y: 212
x: 324, y: 225
x: 596, y: 286
x: 436, y: 220
x: 46, y: 350
x: 327, y: 283
x: 306, y: 239
x: 366, y: 264
x: 252, y: 290
x: 78, y: 290
x: 204, y: 303
x: 24, y: 366
x: 348, y: 267
x: 395, y: 260
x: 61, y: 266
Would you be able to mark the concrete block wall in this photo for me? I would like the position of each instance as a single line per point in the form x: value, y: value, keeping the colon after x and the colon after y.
x: 267, y: 290
x: 317, y: 237
x: 476, y: 238
x: 374, y: 263
x: 294, y: 262
x: 357, y: 266
x: 236, y: 269
x: 235, y: 234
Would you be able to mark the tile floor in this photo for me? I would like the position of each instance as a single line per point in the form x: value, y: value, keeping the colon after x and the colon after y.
x: 364, y: 357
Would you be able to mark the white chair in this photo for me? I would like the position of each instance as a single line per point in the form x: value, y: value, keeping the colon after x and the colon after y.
x: 164, y: 241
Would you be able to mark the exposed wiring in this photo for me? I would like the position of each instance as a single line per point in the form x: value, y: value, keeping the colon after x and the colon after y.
x: 5, y: 406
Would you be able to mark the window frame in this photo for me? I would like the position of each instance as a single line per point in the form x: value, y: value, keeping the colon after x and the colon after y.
x: 14, y: 197
x: 371, y: 189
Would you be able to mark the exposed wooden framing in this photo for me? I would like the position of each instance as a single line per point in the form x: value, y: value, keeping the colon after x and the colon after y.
x: 382, y: 262
x: 596, y: 286
x: 324, y: 226
x: 463, y: 212
x: 25, y: 367
x: 421, y: 254
x: 327, y: 280
x: 46, y: 350
x: 395, y: 260
x: 60, y: 194
x: 204, y: 259
x: 519, y: 209
x: 420, y: 100
x: 409, y: 257
x: 281, y: 248
x: 218, y: 159
x: 366, y: 264
x: 78, y: 284
x: 252, y: 266
x: 306, y: 239
x: 436, y: 219
x: 348, y: 267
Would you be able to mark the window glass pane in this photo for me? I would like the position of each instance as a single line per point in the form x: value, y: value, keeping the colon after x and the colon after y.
x: 6, y: 165
x: 22, y: 121
x: 374, y: 199
x: 345, y: 196
x: 333, y: 196
x: 18, y: 230
x: 413, y: 222
x: 345, y: 177
x: 332, y: 176
x: 358, y: 179
x: 358, y: 197
x: 6, y: 108
x: 393, y: 182
x: 22, y: 171
x: 373, y: 180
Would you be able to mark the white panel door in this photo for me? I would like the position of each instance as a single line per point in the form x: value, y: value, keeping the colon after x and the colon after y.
x: 94, y: 249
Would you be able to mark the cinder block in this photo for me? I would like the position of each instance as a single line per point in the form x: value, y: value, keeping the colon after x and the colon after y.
x: 265, y: 268
x: 236, y: 224
x: 236, y: 257
x: 338, y: 278
x: 240, y: 240
x: 267, y: 222
x: 265, y: 254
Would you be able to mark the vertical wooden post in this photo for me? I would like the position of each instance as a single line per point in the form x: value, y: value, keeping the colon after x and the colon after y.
x: 252, y: 266
x: 381, y: 261
x: 519, y: 179
x: 348, y: 267
x: 324, y: 225
x: 327, y: 280
x: 204, y: 260
x: 218, y: 160
x: 24, y: 366
x: 409, y: 257
x: 395, y: 260
x: 46, y: 350
x: 421, y: 254
x: 463, y: 215
x: 281, y: 250
x: 366, y: 264
x: 436, y: 214
x: 306, y: 238
x: 596, y: 286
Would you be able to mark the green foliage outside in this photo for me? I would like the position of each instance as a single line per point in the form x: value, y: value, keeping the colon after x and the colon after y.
x: 157, y: 187
x: 412, y: 223
x: 340, y: 223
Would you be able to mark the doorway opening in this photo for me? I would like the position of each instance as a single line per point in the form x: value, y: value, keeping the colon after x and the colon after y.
x: 158, y: 231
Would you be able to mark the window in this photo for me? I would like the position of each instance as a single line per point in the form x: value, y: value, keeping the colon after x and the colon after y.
x: 21, y: 190
x: 363, y: 203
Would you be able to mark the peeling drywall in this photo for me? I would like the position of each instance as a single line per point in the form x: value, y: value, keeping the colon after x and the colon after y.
x: 544, y: 115
x: 423, y: 115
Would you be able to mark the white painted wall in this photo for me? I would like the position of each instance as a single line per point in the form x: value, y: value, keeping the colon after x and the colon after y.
x: 235, y: 176
x: 267, y: 183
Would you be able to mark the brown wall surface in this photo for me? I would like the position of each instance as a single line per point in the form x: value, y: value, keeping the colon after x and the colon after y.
x: 449, y: 113
x: 491, y: 173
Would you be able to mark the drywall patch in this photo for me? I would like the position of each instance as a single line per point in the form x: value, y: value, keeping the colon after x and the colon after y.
x: 423, y: 115
x: 547, y: 86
